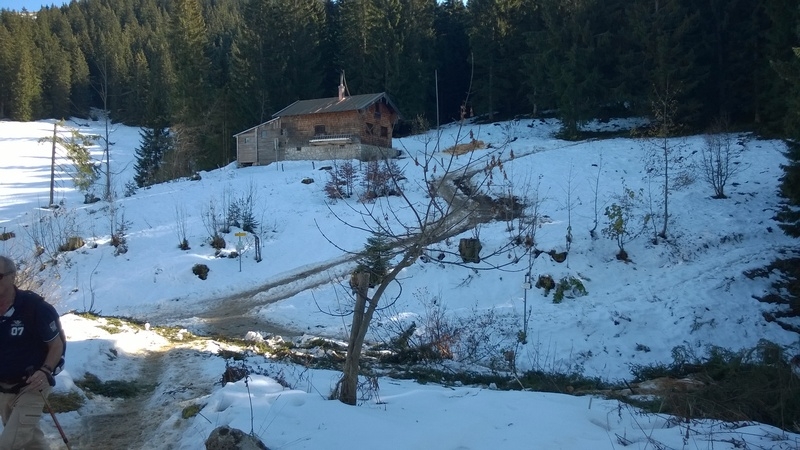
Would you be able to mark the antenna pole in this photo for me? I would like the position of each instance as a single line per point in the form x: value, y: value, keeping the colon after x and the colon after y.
x: 436, y: 79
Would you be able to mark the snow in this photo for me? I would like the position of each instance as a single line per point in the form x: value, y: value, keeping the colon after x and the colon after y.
x: 690, y: 292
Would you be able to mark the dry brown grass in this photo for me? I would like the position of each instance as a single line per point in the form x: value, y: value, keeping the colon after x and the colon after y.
x: 460, y: 149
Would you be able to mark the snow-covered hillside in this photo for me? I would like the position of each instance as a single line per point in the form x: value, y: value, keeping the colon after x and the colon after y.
x: 689, y: 291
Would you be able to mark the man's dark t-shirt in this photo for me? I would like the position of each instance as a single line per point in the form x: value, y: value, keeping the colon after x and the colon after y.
x: 24, y: 344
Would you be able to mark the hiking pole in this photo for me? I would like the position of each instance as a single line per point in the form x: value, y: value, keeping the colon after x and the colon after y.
x: 58, y: 425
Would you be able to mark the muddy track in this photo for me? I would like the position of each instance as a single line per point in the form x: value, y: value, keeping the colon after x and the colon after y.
x: 110, y: 424
x: 232, y: 316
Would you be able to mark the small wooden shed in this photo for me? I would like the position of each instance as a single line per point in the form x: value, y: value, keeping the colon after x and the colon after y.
x: 343, y: 127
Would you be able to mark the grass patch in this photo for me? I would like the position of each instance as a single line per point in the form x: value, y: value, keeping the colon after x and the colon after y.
x: 753, y: 385
x: 192, y: 410
x: 461, y: 149
x: 561, y: 383
x: 176, y: 334
x: 71, y: 401
x: 532, y: 380
x: 92, y: 385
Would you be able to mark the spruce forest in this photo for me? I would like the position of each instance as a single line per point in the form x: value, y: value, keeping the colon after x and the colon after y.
x: 208, y: 69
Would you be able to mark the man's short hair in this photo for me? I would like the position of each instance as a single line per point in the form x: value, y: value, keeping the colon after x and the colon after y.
x: 7, y: 265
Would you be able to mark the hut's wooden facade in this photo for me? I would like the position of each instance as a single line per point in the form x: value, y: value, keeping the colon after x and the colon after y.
x: 355, y: 127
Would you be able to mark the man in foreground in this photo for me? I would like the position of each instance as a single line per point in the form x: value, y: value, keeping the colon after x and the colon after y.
x: 31, y: 350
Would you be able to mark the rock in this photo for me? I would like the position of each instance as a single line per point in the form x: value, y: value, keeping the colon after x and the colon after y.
x: 470, y: 250
x: 226, y: 438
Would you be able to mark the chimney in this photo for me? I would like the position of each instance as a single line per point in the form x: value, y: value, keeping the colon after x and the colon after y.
x: 341, y: 87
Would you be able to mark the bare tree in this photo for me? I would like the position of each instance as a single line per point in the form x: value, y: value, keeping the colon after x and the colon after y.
x: 181, y: 219
x: 455, y: 201
x: 720, y: 159
x: 664, y: 154
x: 571, y: 202
x: 595, y: 193
x: 102, y: 89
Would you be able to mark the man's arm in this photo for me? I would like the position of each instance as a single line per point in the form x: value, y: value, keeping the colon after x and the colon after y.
x: 55, y: 348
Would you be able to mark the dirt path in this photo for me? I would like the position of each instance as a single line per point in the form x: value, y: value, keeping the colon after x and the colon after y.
x: 141, y: 422
x: 232, y: 316
x: 166, y: 382
x: 121, y: 423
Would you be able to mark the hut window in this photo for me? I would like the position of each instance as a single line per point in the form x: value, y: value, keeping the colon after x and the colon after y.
x: 384, y: 132
x: 319, y: 130
x: 377, y: 111
x: 263, y: 133
x: 370, y: 129
x: 246, y: 140
x: 299, y: 148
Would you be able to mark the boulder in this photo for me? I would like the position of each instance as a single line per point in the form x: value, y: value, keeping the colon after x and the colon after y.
x: 470, y: 250
x: 226, y: 438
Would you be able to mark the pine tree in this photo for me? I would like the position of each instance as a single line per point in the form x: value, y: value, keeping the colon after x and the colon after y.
x: 55, y: 61
x: 190, y: 107
x: 375, y: 260
x: 452, y: 58
x: 77, y: 146
x: 21, y: 76
x: 360, y: 27
x: 576, y: 46
x: 7, y: 52
x: 789, y: 216
x: 156, y: 142
x: 497, y: 38
x: 773, y: 79
x: 666, y: 60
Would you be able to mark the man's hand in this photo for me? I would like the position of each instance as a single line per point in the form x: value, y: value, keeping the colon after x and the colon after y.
x: 36, y: 380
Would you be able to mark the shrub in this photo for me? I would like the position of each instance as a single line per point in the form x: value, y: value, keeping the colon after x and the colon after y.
x: 570, y: 287
x: 234, y: 373
x: 218, y: 242
x: 73, y: 243
x: 201, y: 270
x: 545, y: 282
x: 191, y: 410
x: 333, y: 187
x: 381, y: 180
x: 623, y: 225
x: 91, y: 384
x: 749, y: 385
x: 66, y: 402
x: 130, y: 188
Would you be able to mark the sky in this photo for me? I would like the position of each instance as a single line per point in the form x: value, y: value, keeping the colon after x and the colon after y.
x: 690, y: 293
x: 30, y: 5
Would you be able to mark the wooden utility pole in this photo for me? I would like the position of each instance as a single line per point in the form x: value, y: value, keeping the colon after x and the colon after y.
x: 53, y: 166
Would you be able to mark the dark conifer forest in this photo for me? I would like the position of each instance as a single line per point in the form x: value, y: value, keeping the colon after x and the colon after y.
x: 207, y: 69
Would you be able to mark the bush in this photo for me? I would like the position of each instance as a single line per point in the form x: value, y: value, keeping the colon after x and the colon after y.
x: 218, y: 242
x: 381, y: 180
x: 73, y: 243
x: 333, y: 187
x: 545, y: 282
x: 201, y: 270
x: 570, y: 287
x: 749, y: 385
x: 70, y: 401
